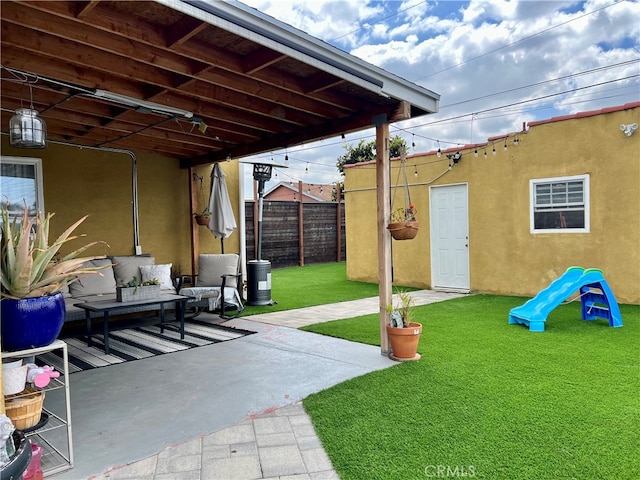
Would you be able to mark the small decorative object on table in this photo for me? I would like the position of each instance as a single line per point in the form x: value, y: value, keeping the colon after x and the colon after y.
x: 136, y: 290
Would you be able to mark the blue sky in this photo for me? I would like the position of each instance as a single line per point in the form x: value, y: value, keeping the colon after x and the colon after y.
x: 495, y: 63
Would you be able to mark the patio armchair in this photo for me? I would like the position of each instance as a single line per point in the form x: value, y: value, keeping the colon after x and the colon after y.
x: 216, y: 287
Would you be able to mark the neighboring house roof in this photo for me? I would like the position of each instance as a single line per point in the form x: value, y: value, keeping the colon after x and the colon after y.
x: 195, y: 80
x: 288, y: 191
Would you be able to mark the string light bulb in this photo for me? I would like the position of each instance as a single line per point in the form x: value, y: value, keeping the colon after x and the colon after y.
x: 439, y: 154
x: 413, y: 141
x: 415, y: 171
x: 475, y: 153
x: 485, y: 152
x: 494, y: 149
x: 306, y: 169
x: 516, y: 141
x: 505, y: 144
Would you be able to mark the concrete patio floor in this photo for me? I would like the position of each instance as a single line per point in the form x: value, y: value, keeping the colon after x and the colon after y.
x: 225, y: 411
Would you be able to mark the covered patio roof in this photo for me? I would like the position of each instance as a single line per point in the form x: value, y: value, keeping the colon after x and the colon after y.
x: 199, y: 81
x: 237, y: 82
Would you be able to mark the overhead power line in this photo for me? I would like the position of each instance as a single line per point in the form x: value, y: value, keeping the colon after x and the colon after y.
x: 518, y: 41
x: 380, y: 20
x: 537, y: 84
x: 533, y: 99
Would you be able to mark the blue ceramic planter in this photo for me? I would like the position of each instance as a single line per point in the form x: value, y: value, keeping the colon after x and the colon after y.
x: 31, y: 322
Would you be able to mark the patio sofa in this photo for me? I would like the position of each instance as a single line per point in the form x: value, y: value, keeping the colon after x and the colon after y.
x: 119, y: 270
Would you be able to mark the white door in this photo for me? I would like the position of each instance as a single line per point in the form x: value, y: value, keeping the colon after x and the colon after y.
x: 449, y: 238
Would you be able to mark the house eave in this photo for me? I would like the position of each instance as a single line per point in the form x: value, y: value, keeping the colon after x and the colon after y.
x: 258, y: 27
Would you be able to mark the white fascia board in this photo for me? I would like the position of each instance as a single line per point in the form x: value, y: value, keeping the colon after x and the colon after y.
x: 258, y: 27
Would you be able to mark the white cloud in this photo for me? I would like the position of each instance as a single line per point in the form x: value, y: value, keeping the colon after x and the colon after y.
x: 478, y: 55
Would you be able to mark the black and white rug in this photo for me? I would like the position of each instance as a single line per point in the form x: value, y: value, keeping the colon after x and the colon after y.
x: 139, y: 342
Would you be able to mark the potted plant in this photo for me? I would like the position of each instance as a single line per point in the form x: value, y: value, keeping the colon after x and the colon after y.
x: 32, y: 304
x: 403, y: 224
x: 135, y: 289
x: 203, y: 217
x: 403, y: 332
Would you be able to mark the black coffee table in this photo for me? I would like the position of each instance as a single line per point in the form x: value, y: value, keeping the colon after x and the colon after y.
x: 108, y: 307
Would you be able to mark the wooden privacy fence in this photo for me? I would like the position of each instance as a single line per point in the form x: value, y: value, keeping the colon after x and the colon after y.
x: 297, y: 233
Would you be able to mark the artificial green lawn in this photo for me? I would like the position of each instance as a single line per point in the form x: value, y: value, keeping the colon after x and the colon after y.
x: 318, y: 284
x: 489, y: 399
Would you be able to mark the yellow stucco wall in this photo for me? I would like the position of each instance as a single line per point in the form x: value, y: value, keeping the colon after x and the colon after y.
x: 85, y: 181
x: 504, y: 257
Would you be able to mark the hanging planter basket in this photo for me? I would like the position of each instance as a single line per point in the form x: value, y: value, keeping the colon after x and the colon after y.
x: 404, y: 230
x: 202, y: 219
x: 403, y: 224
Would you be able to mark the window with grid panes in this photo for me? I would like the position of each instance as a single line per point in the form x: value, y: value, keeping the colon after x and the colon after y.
x: 20, y: 183
x: 560, y: 204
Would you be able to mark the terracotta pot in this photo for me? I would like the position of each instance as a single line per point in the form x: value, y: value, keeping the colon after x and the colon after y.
x: 202, y: 219
x: 31, y: 322
x: 404, y: 341
x: 404, y: 230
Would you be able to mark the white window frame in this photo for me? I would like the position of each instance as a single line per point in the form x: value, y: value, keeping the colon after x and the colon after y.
x: 37, y: 163
x: 586, y: 199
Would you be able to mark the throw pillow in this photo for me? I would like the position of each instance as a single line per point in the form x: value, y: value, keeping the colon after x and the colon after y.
x: 127, y: 267
x: 160, y: 272
x: 100, y: 283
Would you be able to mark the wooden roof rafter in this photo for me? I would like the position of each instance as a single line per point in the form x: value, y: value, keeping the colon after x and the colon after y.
x: 256, y: 84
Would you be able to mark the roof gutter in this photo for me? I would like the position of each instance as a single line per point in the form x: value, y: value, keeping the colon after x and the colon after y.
x: 258, y: 27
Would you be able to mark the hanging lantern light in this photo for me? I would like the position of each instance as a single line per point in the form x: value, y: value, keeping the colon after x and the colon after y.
x: 27, y: 129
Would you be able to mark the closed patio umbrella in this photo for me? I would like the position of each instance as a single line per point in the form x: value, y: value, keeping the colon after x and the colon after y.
x: 222, y: 221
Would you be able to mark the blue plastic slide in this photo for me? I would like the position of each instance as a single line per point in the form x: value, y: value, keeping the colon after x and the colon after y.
x: 596, y: 297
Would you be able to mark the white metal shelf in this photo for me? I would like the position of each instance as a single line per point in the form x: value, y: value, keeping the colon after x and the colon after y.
x: 57, y: 454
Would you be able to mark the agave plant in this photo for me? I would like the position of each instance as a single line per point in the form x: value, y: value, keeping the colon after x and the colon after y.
x: 29, y: 264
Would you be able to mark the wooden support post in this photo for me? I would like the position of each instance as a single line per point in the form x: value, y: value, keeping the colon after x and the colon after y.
x: 195, y: 234
x: 300, y: 225
x: 384, y: 237
x: 255, y: 219
x: 339, y: 222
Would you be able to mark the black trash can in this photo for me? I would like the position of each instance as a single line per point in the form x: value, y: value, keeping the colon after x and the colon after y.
x: 259, y: 282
